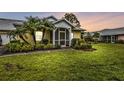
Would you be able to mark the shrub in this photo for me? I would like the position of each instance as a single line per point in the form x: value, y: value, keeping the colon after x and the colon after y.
x: 48, y: 46
x: 39, y: 46
x: 57, y: 46
x: 75, y: 41
x: 13, y: 47
x: 86, y: 46
x: 82, y: 41
x: 77, y: 46
x: 120, y: 41
x: 45, y: 41
x: 83, y: 46
x: 89, y: 46
x: 27, y: 47
x: 15, y: 41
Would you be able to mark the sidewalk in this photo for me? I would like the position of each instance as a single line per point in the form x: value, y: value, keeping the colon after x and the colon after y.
x: 35, y: 52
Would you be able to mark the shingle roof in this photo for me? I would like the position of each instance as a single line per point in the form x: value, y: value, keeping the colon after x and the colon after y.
x: 8, y: 24
x: 115, y: 31
x: 78, y: 29
x: 52, y: 17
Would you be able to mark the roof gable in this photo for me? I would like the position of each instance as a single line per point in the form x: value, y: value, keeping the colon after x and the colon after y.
x: 63, y: 23
x: 51, y: 18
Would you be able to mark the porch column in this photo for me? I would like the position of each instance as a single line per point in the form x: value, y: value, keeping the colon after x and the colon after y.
x: 54, y: 37
x: 111, y: 39
x: 69, y: 36
x: 107, y: 39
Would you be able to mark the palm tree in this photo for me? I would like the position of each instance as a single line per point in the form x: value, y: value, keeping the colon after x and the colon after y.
x: 46, y: 26
x: 20, y: 32
x: 31, y: 25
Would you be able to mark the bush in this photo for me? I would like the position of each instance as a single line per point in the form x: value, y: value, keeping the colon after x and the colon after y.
x: 39, y: 46
x: 45, y: 41
x: 89, y: 46
x: 75, y: 41
x: 82, y: 41
x: 13, y: 47
x: 48, y: 46
x: 15, y: 41
x: 86, y: 46
x: 120, y: 41
x: 26, y: 48
x: 57, y: 46
x: 83, y: 46
x: 77, y: 46
x: 19, y: 47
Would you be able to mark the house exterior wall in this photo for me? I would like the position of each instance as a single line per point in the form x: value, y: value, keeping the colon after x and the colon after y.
x: 120, y: 37
x: 47, y: 35
x: 5, y: 39
x: 76, y: 34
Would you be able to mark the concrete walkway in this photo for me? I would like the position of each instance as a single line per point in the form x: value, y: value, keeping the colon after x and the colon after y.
x: 36, y: 52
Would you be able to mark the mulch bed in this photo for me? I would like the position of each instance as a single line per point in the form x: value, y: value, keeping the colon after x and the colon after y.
x: 92, y: 49
x: 7, y: 53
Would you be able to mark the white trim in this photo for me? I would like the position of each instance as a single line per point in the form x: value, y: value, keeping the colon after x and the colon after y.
x: 70, y: 36
x: 54, y: 36
x: 38, y: 35
x: 63, y: 39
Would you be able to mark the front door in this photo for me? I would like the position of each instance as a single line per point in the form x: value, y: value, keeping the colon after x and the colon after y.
x: 62, y: 38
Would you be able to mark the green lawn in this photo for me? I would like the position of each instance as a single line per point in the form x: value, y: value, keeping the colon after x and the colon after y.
x: 106, y: 63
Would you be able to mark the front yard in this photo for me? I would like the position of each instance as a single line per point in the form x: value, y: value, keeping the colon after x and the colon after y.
x: 106, y: 63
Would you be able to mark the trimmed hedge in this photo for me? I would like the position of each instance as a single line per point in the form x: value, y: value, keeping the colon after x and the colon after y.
x: 48, y: 46
x: 39, y: 46
x: 45, y: 41
x: 23, y: 47
x: 83, y: 46
x: 120, y: 41
x: 80, y: 44
x: 75, y: 41
x: 19, y: 47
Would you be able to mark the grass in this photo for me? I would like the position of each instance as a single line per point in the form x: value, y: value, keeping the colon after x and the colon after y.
x: 106, y: 63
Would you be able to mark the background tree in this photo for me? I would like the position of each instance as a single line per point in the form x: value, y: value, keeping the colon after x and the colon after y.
x: 96, y: 36
x: 72, y: 18
x: 88, y: 37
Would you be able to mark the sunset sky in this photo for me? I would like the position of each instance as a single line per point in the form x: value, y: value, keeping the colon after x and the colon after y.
x: 91, y: 21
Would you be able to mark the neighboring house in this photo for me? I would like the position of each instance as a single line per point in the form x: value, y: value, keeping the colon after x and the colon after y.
x: 112, y: 35
x: 62, y: 34
x: 7, y: 25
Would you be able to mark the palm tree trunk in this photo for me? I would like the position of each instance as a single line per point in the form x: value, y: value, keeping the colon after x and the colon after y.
x: 21, y: 37
x: 43, y: 34
x: 34, y: 38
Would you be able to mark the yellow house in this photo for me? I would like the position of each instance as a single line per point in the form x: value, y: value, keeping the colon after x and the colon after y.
x: 62, y: 35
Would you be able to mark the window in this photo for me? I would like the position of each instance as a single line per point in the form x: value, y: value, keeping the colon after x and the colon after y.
x: 38, y: 36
